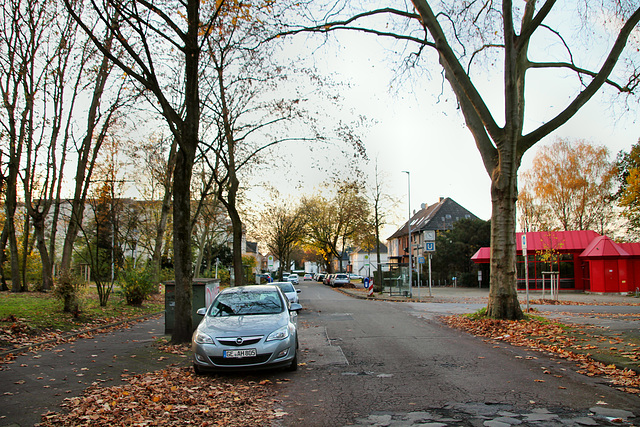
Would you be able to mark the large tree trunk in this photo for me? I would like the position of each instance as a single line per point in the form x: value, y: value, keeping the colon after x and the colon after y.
x: 182, y: 247
x: 188, y: 143
x: 503, y: 295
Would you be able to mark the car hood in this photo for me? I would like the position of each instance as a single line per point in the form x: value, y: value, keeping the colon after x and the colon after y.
x: 256, y: 324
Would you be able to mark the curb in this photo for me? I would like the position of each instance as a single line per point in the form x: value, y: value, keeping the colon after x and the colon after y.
x: 363, y: 297
x: 73, y: 334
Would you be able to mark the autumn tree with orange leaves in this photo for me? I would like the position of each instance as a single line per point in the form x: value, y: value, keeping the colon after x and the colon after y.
x: 628, y: 196
x: 569, y: 187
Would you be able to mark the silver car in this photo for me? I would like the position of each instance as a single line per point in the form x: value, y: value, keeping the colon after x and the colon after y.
x: 247, y: 327
x: 289, y: 291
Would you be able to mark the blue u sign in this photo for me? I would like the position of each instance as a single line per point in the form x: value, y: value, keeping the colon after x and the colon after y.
x: 430, y: 246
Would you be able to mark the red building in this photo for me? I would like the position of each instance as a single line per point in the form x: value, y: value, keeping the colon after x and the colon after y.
x: 583, y: 260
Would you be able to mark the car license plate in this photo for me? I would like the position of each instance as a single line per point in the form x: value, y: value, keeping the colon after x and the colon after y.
x: 235, y: 354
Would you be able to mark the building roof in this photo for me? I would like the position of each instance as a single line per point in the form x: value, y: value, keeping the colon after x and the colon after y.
x: 602, y: 247
x: 556, y: 240
x: 382, y: 246
x: 632, y: 249
x: 439, y: 216
x: 537, y: 241
x: 252, y: 247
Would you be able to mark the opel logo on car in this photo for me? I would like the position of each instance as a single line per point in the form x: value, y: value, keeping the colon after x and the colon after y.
x: 239, y: 340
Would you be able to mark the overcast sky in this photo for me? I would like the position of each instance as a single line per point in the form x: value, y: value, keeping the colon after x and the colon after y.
x: 418, y: 128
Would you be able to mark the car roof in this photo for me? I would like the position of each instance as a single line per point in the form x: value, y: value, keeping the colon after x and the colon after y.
x: 251, y: 288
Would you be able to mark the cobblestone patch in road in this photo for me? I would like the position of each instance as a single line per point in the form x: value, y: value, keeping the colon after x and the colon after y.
x: 498, y: 415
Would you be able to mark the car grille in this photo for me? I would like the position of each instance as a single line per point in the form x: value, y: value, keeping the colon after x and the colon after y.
x: 233, y: 342
x: 221, y: 361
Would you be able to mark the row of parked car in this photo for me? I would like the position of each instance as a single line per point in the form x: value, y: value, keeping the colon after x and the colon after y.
x: 333, y: 280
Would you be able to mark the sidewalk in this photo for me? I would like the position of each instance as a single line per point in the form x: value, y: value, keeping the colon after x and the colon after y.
x: 439, y: 294
x: 39, y: 381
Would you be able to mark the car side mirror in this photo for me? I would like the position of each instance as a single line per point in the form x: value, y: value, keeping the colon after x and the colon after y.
x: 202, y: 311
x: 298, y: 290
x: 295, y: 307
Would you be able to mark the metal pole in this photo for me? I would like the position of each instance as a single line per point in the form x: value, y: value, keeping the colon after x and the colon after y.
x: 429, y: 273
x: 409, y: 229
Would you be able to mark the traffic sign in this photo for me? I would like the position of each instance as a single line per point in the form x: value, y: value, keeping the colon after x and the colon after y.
x: 366, y: 282
x: 430, y: 246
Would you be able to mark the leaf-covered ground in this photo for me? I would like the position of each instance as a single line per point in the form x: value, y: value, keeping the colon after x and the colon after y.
x: 171, y: 397
x: 567, y: 342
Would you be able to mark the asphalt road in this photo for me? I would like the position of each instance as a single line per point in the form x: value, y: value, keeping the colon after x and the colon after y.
x: 390, y: 363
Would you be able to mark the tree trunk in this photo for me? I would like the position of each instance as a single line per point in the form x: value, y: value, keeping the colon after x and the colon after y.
x: 503, y: 295
x: 182, y: 247
x: 85, y: 163
x: 202, y: 241
x: 39, y: 227
x: 3, y: 246
x: 164, y: 213
x: 188, y: 143
x: 13, y: 242
x: 236, y: 223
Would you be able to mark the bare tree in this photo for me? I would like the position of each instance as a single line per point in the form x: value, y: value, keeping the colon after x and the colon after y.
x: 246, y: 113
x: 460, y: 33
x: 156, y: 186
x: 99, y: 122
x: 381, y: 209
x: 150, y: 36
x: 25, y: 25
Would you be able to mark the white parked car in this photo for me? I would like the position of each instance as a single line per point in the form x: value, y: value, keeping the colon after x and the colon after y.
x: 293, y: 278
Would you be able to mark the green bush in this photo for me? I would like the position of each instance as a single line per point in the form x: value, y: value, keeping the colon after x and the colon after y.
x: 136, y: 285
x: 67, y: 288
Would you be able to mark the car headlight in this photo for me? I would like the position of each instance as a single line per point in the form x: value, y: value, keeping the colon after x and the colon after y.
x: 279, y: 334
x: 201, y: 338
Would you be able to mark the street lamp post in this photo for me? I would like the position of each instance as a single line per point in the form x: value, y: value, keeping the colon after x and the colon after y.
x: 409, y: 232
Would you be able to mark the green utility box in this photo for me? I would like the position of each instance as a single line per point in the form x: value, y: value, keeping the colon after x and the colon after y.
x: 204, y: 291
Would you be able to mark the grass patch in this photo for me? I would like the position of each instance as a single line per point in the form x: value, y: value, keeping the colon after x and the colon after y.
x: 42, y: 311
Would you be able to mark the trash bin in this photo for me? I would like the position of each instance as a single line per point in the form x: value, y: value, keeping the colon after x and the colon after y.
x: 204, y: 291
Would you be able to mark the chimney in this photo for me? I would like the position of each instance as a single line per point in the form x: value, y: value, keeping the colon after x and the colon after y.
x: 441, y: 199
x: 423, y: 206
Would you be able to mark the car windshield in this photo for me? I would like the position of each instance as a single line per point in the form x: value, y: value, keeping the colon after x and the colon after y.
x: 286, y: 287
x: 341, y: 276
x: 241, y: 303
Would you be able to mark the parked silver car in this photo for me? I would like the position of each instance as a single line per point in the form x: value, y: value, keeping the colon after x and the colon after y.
x: 340, y: 279
x: 289, y: 291
x: 247, y: 327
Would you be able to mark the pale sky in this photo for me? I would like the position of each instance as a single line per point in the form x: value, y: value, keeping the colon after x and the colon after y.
x: 419, y: 129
